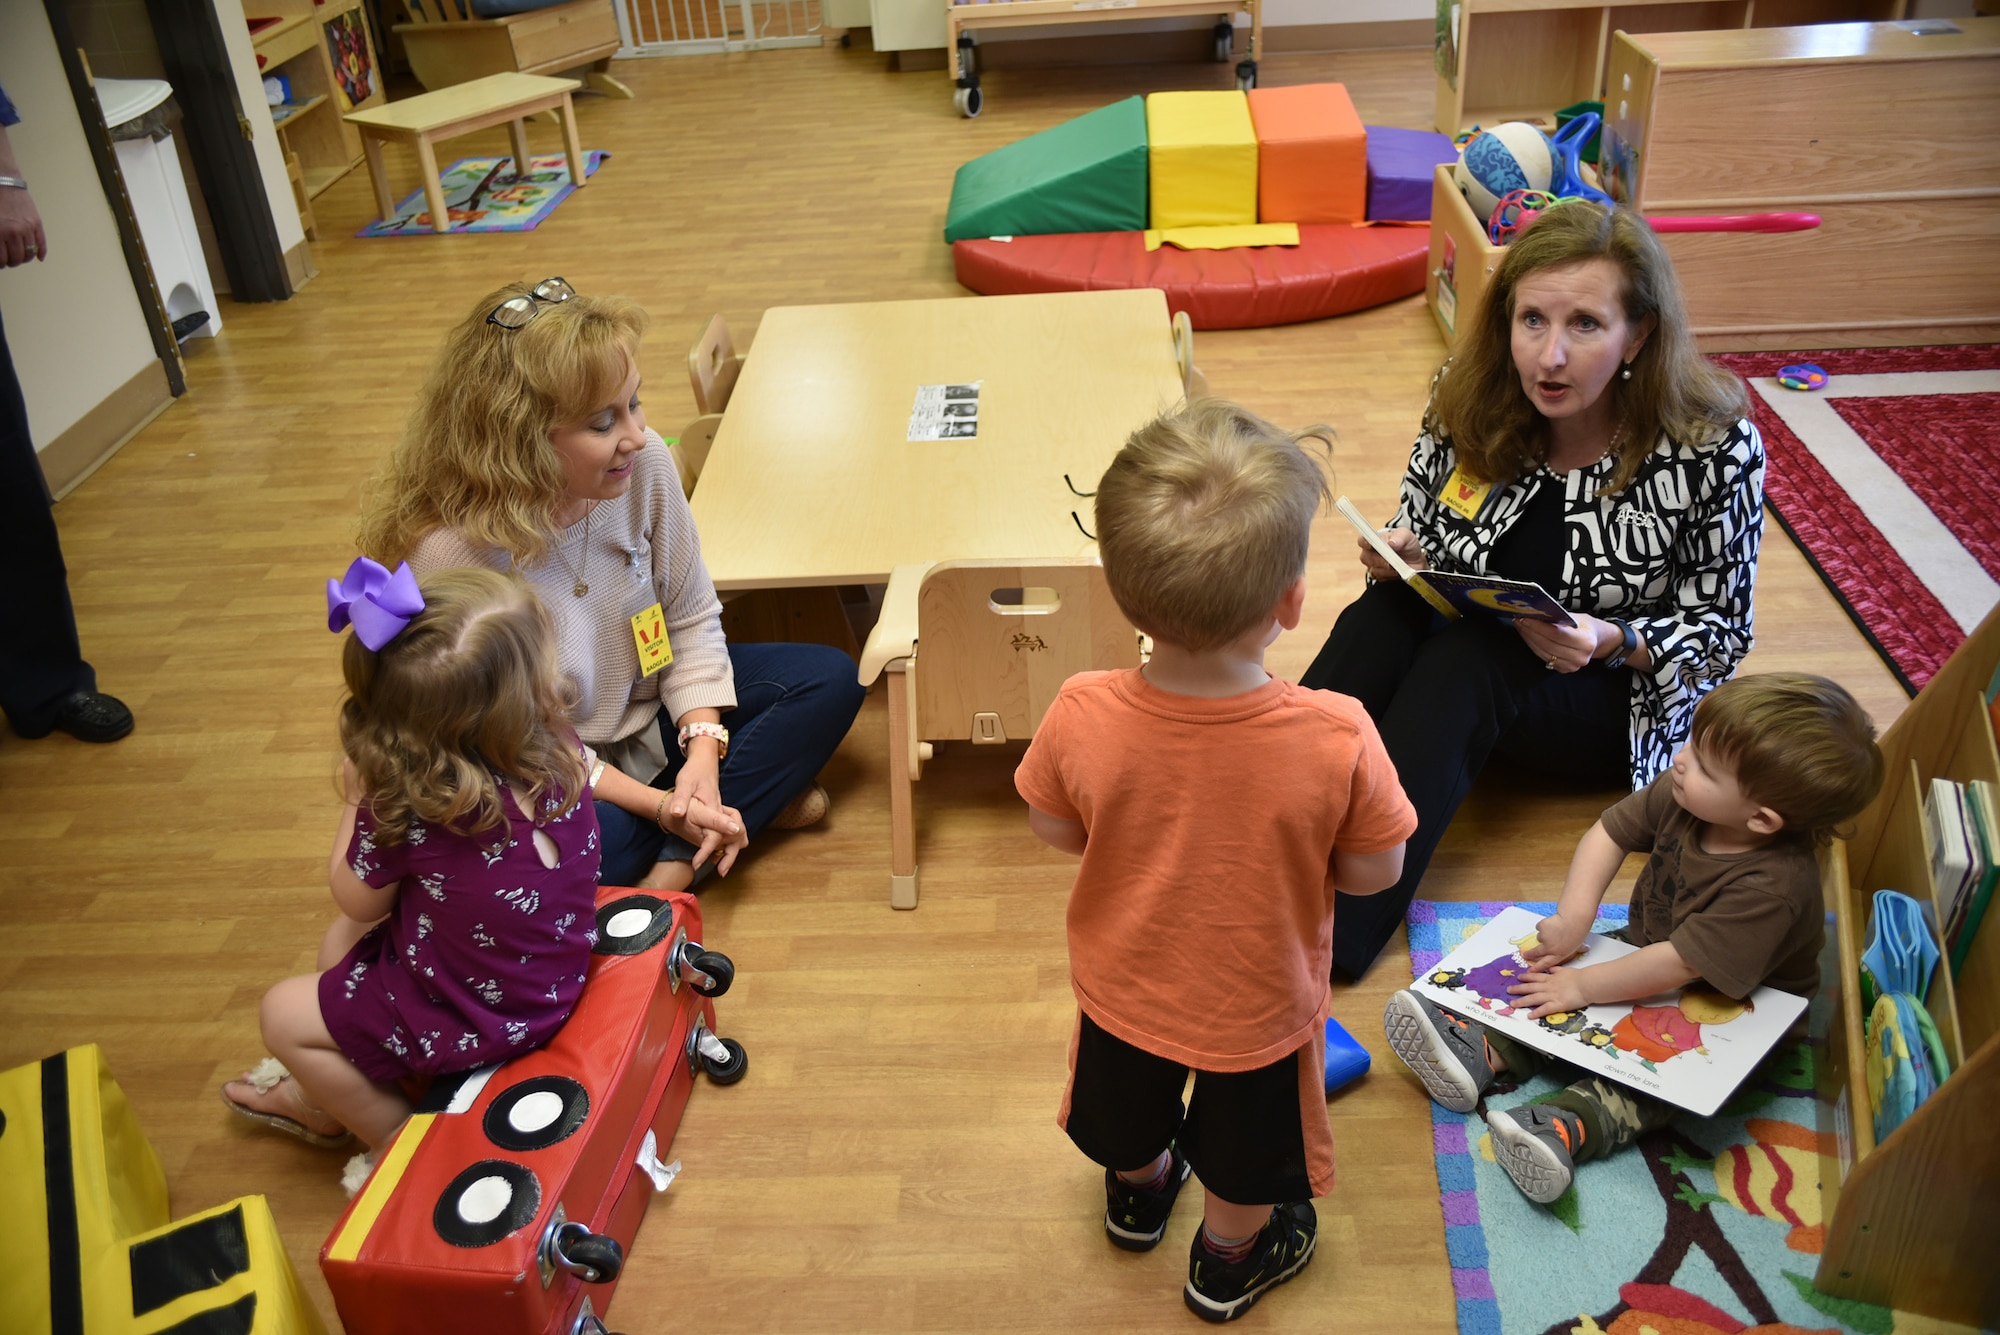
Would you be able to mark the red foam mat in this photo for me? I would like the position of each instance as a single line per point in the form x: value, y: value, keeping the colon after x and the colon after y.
x: 1333, y: 270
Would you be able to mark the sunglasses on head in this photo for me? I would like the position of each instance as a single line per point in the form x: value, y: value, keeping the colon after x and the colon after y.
x: 517, y: 311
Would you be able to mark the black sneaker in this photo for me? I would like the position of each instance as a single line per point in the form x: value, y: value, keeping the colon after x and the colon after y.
x: 1219, y: 1290
x: 1135, y: 1218
x: 1447, y: 1053
x: 1536, y: 1143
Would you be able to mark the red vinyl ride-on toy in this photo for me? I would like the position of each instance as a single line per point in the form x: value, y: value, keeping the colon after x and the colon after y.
x: 507, y: 1202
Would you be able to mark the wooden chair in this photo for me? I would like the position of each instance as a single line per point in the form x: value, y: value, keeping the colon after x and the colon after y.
x: 446, y: 45
x: 713, y: 365
x: 996, y: 640
x: 691, y: 450
x: 1193, y: 383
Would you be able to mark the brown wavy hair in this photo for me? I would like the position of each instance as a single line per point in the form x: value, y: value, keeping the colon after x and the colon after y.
x: 469, y: 689
x: 1798, y: 744
x: 1478, y: 401
x: 1203, y: 520
x: 476, y: 457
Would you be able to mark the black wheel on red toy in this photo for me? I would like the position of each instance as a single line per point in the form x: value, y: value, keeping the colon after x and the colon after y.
x: 536, y: 1113
x: 591, y: 1257
x: 719, y: 969
x: 730, y: 1071
x: 632, y: 925
x: 486, y: 1202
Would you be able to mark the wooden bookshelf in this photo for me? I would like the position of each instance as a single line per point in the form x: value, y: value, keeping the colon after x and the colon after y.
x: 319, y: 147
x: 1910, y: 1221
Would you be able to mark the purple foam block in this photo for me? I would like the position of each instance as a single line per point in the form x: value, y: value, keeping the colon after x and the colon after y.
x: 1400, y: 164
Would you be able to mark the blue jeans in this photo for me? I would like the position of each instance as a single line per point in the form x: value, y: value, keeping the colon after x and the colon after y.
x: 794, y: 704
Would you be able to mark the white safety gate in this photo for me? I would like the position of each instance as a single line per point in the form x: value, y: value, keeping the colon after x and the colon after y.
x: 703, y: 27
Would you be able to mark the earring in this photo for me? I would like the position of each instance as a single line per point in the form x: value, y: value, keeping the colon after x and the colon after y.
x: 1626, y: 374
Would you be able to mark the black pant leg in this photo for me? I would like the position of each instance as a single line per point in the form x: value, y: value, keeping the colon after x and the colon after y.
x: 41, y: 664
x: 1373, y: 643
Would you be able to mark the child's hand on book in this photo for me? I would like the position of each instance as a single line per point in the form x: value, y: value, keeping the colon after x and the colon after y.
x: 1404, y: 543
x: 1556, y: 942
x: 1548, y: 991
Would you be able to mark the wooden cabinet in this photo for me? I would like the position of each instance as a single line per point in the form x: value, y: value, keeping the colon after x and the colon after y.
x: 300, y: 45
x: 1910, y: 1222
x: 1890, y: 132
x: 1512, y: 60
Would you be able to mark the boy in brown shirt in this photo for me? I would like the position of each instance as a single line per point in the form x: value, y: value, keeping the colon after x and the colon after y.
x: 1730, y: 895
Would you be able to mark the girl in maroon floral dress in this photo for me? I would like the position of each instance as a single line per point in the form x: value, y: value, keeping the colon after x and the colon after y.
x: 465, y: 867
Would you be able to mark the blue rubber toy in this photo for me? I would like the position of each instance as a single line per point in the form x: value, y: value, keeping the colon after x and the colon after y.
x: 1346, y: 1060
x: 1565, y: 146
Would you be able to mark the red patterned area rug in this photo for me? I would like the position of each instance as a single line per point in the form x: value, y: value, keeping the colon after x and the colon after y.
x: 1889, y: 481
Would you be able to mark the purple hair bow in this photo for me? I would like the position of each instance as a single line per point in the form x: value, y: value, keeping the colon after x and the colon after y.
x: 378, y: 603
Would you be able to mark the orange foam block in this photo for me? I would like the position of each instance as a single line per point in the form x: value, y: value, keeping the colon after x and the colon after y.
x: 1312, y: 155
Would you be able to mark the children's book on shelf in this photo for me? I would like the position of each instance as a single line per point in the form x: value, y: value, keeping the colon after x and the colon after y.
x: 1454, y: 594
x: 1691, y: 1047
x: 1954, y: 855
x: 1982, y: 805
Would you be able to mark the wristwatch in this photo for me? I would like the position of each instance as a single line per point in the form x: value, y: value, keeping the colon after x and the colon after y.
x: 715, y: 730
x: 1628, y: 640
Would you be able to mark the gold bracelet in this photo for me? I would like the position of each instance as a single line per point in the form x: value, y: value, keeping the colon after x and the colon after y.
x: 661, y: 810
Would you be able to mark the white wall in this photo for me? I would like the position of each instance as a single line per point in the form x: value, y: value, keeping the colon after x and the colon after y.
x: 74, y: 325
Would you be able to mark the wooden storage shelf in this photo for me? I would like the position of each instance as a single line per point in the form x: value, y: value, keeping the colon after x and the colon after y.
x: 1910, y: 1221
x: 1890, y: 132
x: 1525, y: 59
x: 319, y: 148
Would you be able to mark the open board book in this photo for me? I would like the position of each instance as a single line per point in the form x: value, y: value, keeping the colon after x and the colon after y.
x: 1453, y: 594
x: 1692, y: 1047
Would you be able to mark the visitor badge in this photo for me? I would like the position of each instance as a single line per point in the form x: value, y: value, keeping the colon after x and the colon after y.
x: 649, y: 633
x: 1464, y: 496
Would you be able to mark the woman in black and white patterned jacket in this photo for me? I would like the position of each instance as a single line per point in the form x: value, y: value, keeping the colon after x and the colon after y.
x: 1577, y: 439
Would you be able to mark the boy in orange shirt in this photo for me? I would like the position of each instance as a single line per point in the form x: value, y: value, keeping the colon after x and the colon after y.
x: 1216, y: 810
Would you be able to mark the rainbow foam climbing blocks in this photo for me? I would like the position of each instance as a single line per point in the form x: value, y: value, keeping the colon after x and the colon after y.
x: 1203, y: 157
x: 1312, y: 154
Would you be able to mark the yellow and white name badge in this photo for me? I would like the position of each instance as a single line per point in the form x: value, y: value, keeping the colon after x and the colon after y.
x: 1464, y: 496
x: 649, y: 633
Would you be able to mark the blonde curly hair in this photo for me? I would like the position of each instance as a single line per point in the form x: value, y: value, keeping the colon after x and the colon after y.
x: 476, y: 458
x: 469, y: 689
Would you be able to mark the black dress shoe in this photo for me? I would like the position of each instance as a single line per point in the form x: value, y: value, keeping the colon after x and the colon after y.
x: 91, y: 717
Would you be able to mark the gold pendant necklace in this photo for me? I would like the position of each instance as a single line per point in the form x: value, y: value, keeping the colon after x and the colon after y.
x: 582, y: 585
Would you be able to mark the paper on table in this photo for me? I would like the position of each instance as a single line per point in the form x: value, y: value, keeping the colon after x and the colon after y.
x: 1691, y: 1048
x: 945, y: 412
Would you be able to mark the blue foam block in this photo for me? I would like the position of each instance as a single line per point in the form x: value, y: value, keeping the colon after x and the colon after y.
x: 1346, y: 1060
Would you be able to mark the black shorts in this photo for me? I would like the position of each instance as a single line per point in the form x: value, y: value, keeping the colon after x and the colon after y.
x: 1254, y: 1137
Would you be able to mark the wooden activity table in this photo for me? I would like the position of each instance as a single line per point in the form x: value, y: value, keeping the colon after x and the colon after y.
x: 426, y: 119
x: 812, y: 481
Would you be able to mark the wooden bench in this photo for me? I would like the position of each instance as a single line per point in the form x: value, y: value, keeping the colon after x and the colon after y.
x: 428, y: 118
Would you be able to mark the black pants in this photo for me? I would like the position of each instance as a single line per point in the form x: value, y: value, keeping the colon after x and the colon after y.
x: 1445, y: 696
x: 41, y: 664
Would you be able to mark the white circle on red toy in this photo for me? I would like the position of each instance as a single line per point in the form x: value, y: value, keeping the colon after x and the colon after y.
x: 485, y: 1200
x: 628, y: 922
x: 536, y: 1111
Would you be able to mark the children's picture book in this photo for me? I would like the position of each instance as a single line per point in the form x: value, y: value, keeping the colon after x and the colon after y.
x: 1454, y: 594
x: 1692, y: 1047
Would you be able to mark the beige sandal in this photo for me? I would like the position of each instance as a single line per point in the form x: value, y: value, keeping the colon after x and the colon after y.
x: 268, y: 1075
x: 808, y: 808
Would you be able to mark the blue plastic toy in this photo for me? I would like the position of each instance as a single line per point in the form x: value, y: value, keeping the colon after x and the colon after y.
x: 1564, y: 146
x: 1346, y: 1060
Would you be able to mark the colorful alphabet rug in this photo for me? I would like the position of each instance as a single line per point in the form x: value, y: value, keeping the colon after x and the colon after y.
x: 1869, y: 474
x: 487, y: 195
x: 1709, y: 1227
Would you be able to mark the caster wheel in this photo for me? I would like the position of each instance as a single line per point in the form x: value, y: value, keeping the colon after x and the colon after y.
x: 968, y: 57
x: 719, y: 967
x: 846, y: 39
x: 969, y: 101
x: 1225, y: 42
x: 1246, y: 76
x: 730, y: 1071
x: 591, y: 1257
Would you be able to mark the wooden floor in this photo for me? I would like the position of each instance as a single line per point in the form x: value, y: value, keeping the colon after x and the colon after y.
x: 890, y: 1164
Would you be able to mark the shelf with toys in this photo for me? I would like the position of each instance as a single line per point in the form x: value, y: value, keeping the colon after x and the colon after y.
x: 1909, y: 1220
x: 324, y: 52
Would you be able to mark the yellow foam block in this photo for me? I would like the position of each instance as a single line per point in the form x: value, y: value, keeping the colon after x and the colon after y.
x: 1202, y: 151
x: 1224, y: 238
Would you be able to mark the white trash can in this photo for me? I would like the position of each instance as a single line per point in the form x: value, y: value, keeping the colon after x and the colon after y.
x: 153, y: 180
